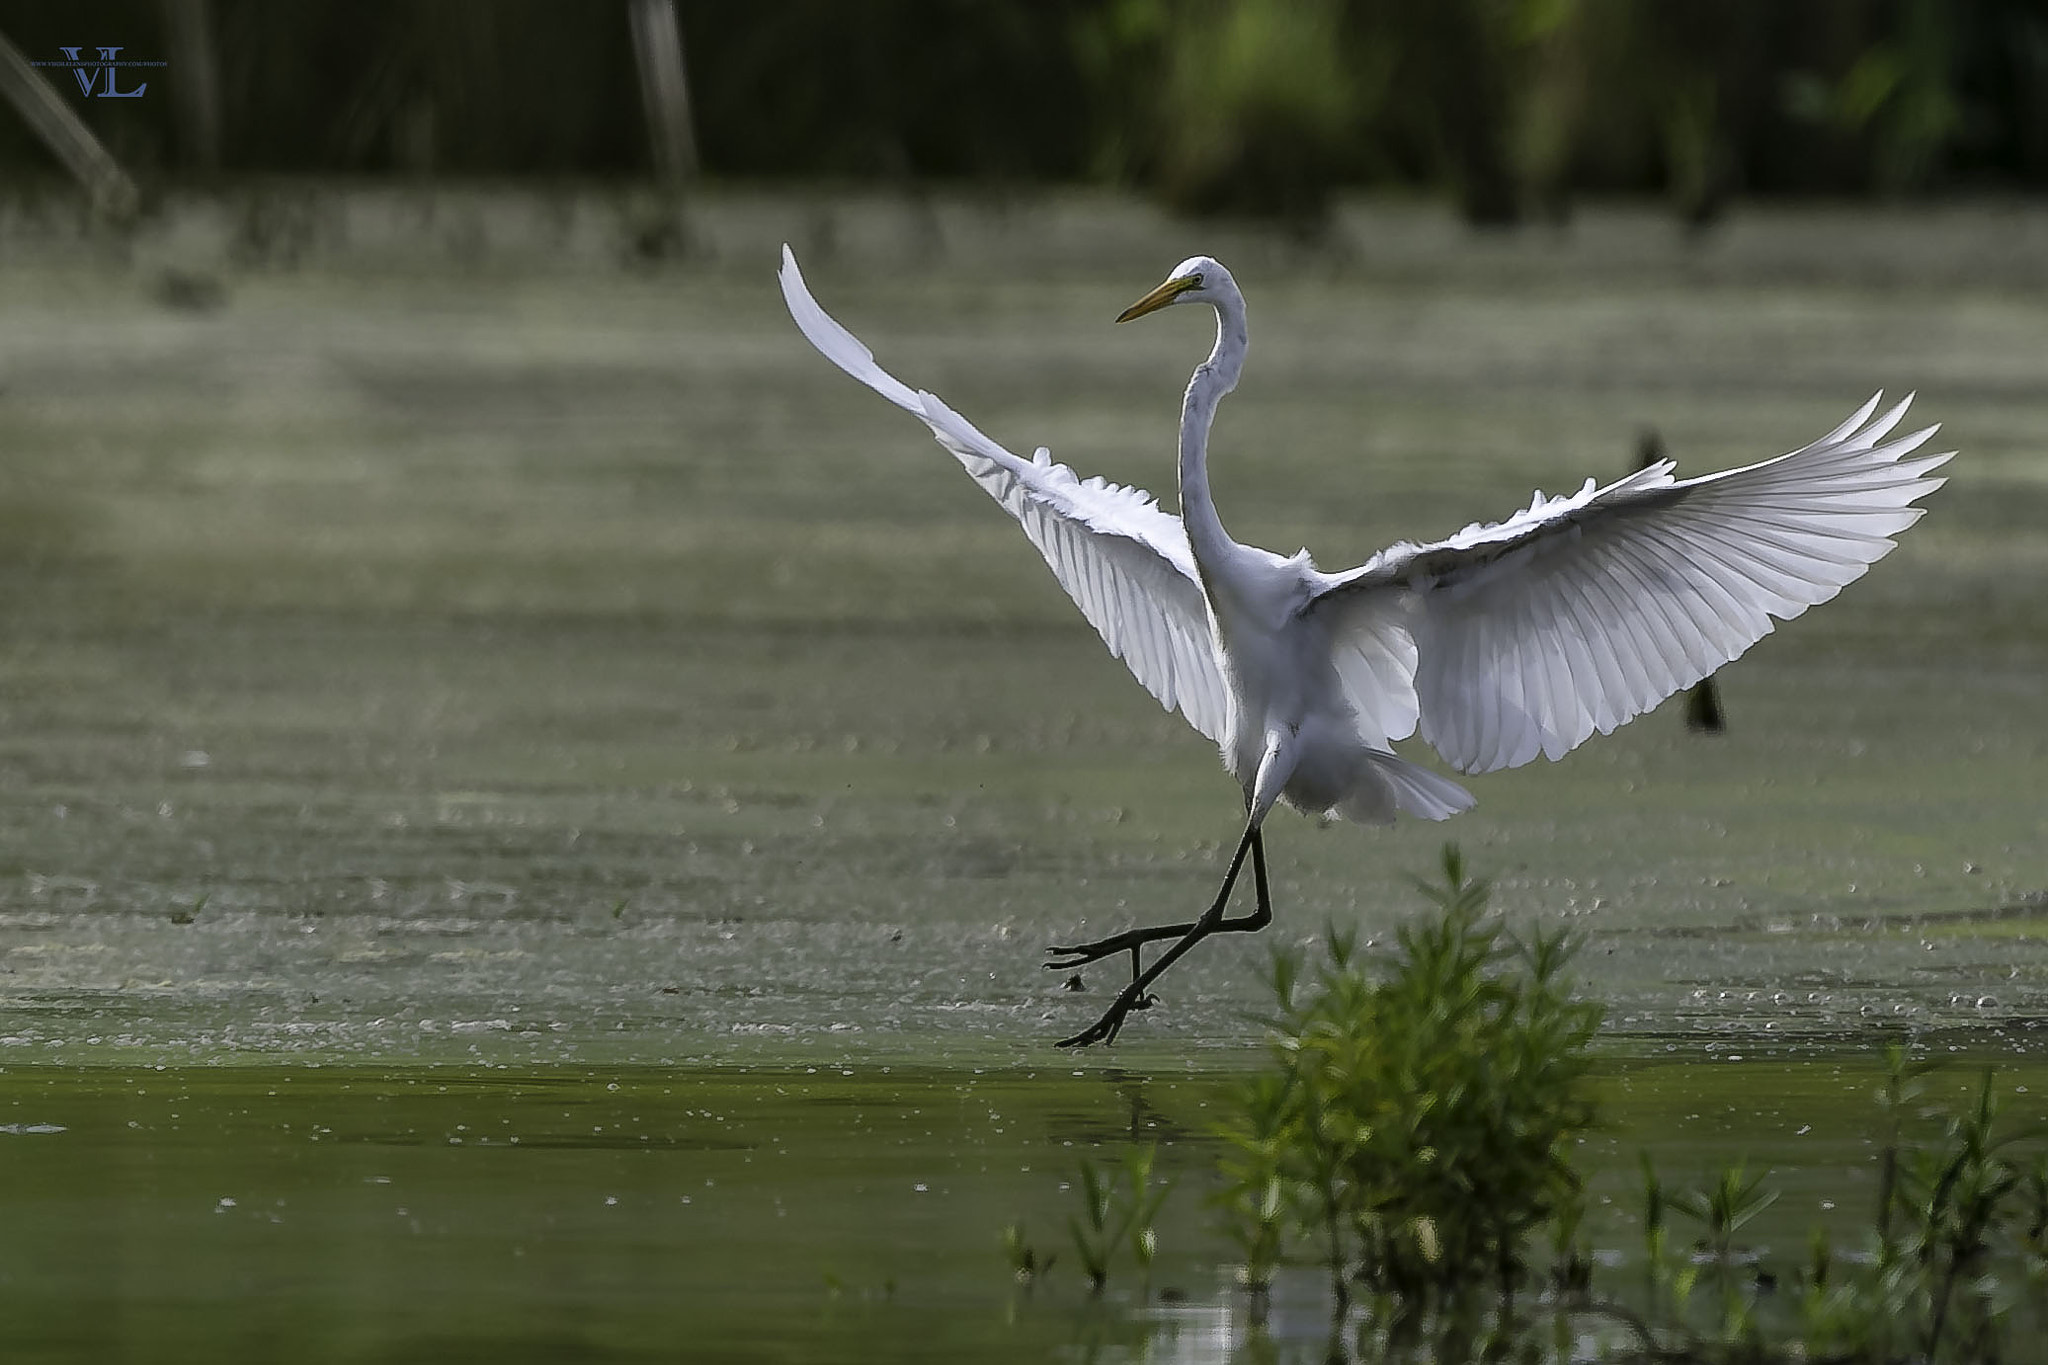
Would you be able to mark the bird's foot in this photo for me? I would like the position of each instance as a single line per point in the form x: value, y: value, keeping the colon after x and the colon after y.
x: 1105, y: 1029
x: 1060, y: 958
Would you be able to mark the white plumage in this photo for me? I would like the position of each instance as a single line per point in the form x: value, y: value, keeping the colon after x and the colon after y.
x: 1125, y: 563
x: 1499, y: 643
x: 1582, y: 612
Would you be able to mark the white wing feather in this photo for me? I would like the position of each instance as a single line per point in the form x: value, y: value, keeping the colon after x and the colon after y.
x: 1582, y: 612
x: 1125, y: 563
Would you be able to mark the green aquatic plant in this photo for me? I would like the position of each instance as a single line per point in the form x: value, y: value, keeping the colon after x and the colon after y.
x: 1457, y: 1081
x: 1727, y: 1204
x: 1730, y: 1201
x: 1026, y: 1265
x: 1957, y: 1195
x: 1253, y: 1197
x: 1118, y: 1206
x: 1902, y: 1087
x: 1414, y: 1129
x: 1657, y: 1268
x: 1413, y: 1134
x: 1954, y: 1216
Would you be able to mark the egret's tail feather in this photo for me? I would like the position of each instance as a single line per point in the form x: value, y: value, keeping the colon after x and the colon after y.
x: 1419, y: 791
x: 1389, y: 783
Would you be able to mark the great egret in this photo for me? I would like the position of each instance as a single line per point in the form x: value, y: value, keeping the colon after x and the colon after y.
x: 1501, y: 642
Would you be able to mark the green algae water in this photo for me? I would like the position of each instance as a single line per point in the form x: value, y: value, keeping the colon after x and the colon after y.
x: 743, y: 1213
x: 438, y: 687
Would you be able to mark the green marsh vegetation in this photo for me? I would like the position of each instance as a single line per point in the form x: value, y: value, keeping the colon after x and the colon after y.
x: 1416, y: 1115
x: 1951, y: 1265
x: 1415, y: 1137
x: 1118, y: 1208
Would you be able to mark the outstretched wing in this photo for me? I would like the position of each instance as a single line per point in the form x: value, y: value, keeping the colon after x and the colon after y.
x: 1125, y: 563
x: 1583, y: 612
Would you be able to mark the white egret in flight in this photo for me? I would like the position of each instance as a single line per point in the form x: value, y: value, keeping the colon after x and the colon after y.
x: 1504, y: 641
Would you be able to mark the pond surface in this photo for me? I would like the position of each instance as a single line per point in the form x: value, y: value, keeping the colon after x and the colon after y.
x: 457, y: 652
x: 348, y: 1213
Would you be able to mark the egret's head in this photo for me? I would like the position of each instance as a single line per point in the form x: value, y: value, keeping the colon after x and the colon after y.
x: 1198, y: 279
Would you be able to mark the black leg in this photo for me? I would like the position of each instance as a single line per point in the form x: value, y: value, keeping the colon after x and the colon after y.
x: 1262, y: 914
x: 1081, y: 954
x: 1134, y: 995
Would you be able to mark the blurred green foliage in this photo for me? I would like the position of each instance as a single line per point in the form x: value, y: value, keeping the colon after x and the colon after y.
x: 1236, y: 107
x: 1263, y: 107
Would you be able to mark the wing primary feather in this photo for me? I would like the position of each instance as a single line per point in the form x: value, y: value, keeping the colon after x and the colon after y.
x: 1694, y: 610
x: 1648, y: 610
x: 1608, y: 661
x: 1639, y: 693
x: 1855, y: 420
x: 1540, y: 690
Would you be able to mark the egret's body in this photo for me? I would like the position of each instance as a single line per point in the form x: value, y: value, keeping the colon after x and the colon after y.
x: 1290, y: 733
x: 1502, y: 642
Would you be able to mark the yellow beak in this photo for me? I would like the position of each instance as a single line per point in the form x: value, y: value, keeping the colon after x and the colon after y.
x: 1159, y: 298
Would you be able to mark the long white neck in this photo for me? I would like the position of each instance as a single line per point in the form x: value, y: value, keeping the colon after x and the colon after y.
x: 1212, y: 379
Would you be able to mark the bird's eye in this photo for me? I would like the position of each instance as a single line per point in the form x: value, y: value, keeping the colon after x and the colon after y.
x: 1195, y: 282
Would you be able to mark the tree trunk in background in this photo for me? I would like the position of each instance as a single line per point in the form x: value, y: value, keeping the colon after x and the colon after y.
x: 1469, y: 72
x: 194, y: 82
x: 658, y: 51
x: 1718, y: 87
x: 65, y: 134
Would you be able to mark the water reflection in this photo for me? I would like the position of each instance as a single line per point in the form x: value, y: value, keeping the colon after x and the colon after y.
x: 843, y: 1212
